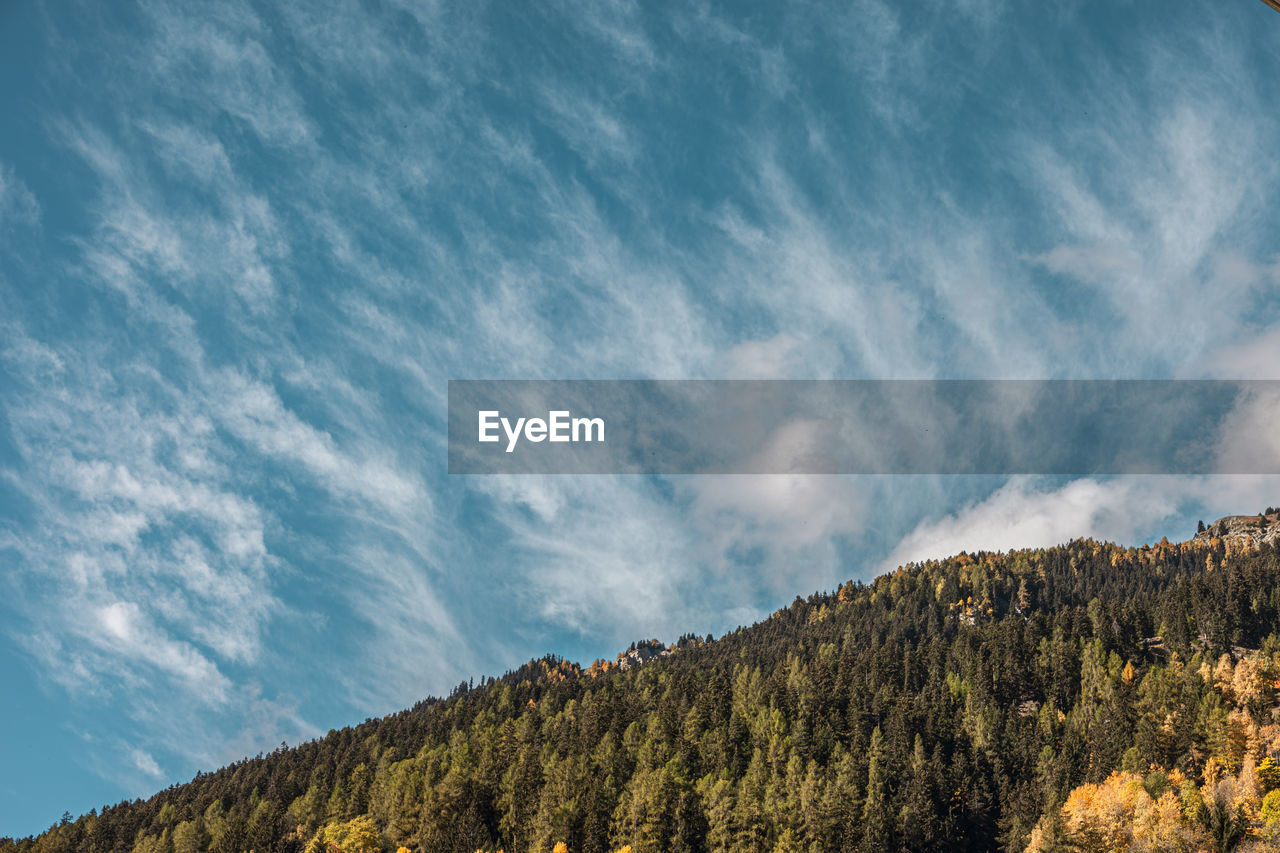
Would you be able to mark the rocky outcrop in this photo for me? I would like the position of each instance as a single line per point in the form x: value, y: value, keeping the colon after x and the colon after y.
x: 1243, y: 529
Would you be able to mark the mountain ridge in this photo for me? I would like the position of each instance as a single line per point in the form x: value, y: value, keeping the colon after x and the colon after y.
x: 943, y: 675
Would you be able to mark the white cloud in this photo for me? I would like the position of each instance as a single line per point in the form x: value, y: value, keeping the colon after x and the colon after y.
x: 599, y: 555
x: 772, y: 358
x: 145, y: 762
x: 1248, y: 440
x: 17, y: 205
x: 1029, y: 512
x: 1158, y: 211
x: 1022, y: 515
x: 255, y: 413
x: 589, y: 127
x: 1096, y: 264
x: 781, y: 512
x: 411, y: 632
x: 126, y: 631
x: 223, y: 49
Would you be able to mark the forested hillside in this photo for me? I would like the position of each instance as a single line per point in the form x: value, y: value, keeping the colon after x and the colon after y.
x: 1087, y: 696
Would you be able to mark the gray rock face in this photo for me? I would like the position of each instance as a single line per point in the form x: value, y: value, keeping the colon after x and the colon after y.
x: 1243, y: 528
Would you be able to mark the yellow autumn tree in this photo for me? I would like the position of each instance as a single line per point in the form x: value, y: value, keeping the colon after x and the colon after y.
x: 1269, y: 774
x: 359, y: 835
x: 1100, y: 817
x: 1120, y: 814
x: 1269, y: 815
x: 1157, y: 823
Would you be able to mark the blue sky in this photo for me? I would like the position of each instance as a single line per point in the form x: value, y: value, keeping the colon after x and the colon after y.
x: 244, y: 246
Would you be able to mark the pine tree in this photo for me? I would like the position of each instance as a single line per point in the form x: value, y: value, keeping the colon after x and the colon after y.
x: 876, y: 817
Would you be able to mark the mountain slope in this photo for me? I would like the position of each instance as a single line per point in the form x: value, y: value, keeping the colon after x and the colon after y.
x: 963, y: 704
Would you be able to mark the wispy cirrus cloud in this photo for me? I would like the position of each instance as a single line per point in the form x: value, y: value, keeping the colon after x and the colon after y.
x: 279, y: 233
x: 18, y: 207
